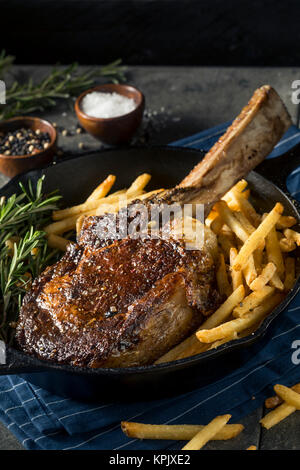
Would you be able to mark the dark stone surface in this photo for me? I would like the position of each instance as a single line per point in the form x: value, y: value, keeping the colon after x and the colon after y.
x: 8, y: 440
x: 283, y: 436
x: 249, y: 436
x: 187, y: 100
x: 172, y: 32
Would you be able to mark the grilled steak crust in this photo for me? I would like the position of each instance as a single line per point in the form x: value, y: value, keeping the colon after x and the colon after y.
x: 122, y: 305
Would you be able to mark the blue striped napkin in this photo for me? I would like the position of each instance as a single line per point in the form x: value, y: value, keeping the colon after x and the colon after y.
x: 41, y: 420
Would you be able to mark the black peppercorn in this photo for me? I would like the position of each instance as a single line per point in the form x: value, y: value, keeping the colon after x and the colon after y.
x: 24, y: 142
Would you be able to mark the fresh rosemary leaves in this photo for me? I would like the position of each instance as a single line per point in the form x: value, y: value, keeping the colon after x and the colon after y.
x: 62, y: 82
x: 24, y: 252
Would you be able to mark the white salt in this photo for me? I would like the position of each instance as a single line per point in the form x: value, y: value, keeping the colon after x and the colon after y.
x: 106, y: 105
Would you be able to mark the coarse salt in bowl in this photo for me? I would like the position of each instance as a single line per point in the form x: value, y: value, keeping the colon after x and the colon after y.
x: 111, y: 113
x: 106, y: 105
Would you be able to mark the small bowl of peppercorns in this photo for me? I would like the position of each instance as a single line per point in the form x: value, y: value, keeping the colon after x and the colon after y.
x: 25, y: 143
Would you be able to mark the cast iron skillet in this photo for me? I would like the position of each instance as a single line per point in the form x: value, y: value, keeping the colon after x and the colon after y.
x: 75, y: 178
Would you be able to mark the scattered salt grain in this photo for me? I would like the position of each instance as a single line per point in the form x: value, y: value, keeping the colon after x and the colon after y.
x: 106, y: 105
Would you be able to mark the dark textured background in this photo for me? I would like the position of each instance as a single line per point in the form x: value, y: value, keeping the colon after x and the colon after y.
x: 169, y: 32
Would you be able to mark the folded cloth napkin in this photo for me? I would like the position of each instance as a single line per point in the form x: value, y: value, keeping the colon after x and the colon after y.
x: 41, y: 420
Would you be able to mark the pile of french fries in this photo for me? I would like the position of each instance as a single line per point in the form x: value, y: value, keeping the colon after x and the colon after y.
x: 99, y: 202
x: 255, y: 270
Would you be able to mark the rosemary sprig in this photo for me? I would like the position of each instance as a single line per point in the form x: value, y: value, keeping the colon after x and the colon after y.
x: 21, y: 219
x: 12, y: 272
x: 19, y: 212
x: 61, y: 83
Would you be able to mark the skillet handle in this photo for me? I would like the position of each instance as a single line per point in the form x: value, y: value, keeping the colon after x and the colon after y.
x: 278, y: 169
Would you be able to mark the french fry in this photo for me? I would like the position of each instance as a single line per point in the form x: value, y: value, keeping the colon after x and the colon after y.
x: 183, y: 349
x: 274, y: 252
x: 287, y: 244
x: 231, y: 203
x: 272, y: 402
x: 142, y: 196
x: 258, y: 260
x: 232, y: 222
x: 216, y: 344
x: 242, y: 233
x: 275, y: 400
x: 55, y: 241
x: 240, y: 186
x: 138, y: 184
x: 286, y: 221
x: 125, y: 201
x: 252, y: 301
x: 120, y: 199
x: 255, y: 239
x: 74, y: 211
x: 177, y: 432
x: 225, y: 309
x: 244, y: 222
x: 87, y: 206
x: 288, y: 395
x: 246, y: 208
x: 291, y: 234
x: 277, y: 415
x: 238, y: 324
x: 79, y: 223
x: 249, y: 270
x: 236, y: 276
x: 248, y: 227
x: 222, y: 278
x: 252, y: 448
x: 283, y: 410
x: 207, y: 433
x: 102, y: 189
x: 114, y: 207
x: 263, y: 279
x: 214, y: 222
x: 62, y: 226
x: 226, y: 243
x: 289, y: 273
x: 276, y: 282
x: 230, y: 200
x: 249, y: 331
x: 211, y: 216
x: 189, y: 347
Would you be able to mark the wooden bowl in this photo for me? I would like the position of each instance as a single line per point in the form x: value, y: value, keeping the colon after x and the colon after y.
x: 12, y: 165
x: 117, y: 130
